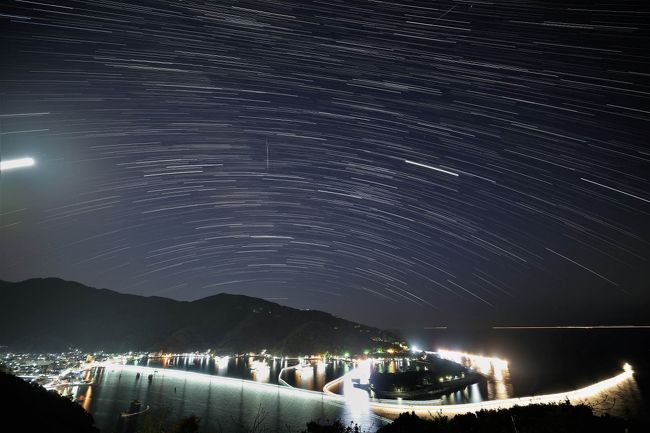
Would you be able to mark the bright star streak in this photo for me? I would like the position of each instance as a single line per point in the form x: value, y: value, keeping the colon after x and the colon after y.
x: 430, y: 167
x: 582, y: 266
x: 617, y: 190
x: 16, y: 163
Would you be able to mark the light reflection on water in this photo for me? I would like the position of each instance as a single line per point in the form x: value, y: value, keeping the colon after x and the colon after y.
x: 223, y: 406
x: 308, y: 374
x: 357, y: 400
x: 86, y: 398
x: 255, y: 368
x: 496, y: 387
x: 314, y: 374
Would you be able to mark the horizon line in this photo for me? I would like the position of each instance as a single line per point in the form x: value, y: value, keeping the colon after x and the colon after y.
x: 576, y: 327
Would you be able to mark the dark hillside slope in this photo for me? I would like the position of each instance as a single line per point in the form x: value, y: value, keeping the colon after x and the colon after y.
x: 53, y: 314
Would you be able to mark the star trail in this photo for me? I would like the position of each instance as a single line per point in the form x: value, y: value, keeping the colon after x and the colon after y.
x: 390, y: 162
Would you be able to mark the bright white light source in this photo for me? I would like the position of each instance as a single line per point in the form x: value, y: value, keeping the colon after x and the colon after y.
x: 8, y: 164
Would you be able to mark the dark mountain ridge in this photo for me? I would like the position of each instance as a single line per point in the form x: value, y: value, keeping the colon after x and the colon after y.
x: 53, y: 314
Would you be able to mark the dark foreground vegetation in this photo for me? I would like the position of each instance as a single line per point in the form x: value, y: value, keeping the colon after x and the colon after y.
x: 540, y: 418
x: 28, y: 407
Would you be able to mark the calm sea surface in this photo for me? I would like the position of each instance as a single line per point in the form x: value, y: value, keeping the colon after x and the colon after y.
x: 539, y: 362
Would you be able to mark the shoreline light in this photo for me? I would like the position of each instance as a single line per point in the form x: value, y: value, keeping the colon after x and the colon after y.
x: 9, y: 164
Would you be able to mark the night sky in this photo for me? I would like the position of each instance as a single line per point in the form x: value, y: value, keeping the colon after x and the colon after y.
x: 398, y: 163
